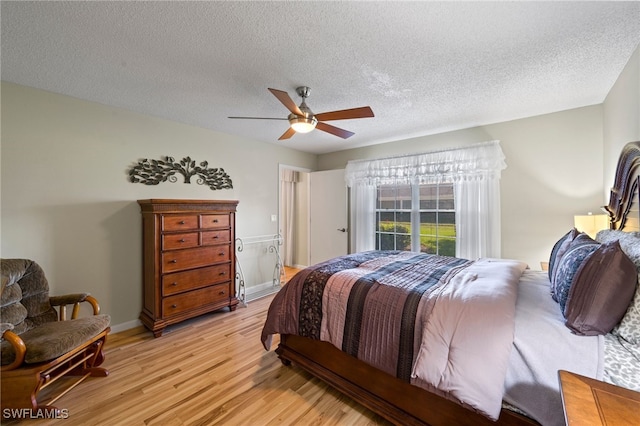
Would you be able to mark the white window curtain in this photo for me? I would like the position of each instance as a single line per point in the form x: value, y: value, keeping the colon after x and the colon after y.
x: 288, y: 179
x: 363, y: 217
x: 474, y: 170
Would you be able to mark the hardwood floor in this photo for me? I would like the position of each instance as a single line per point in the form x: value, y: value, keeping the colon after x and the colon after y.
x: 211, y: 370
x: 289, y: 272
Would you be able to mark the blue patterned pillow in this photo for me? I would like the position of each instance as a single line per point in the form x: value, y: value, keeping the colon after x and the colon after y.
x: 559, y: 249
x: 578, y: 251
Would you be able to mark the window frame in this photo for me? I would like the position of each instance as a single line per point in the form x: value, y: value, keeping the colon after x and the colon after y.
x: 415, y: 214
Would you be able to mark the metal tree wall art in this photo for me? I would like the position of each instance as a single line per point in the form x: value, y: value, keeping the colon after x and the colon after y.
x: 152, y: 172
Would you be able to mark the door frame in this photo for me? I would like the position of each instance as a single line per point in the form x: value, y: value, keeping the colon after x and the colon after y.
x: 281, y: 167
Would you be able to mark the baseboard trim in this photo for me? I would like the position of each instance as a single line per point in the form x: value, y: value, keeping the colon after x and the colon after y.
x: 125, y: 326
x: 261, y: 290
x: 253, y: 293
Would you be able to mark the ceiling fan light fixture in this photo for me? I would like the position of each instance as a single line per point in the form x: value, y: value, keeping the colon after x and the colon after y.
x: 302, y: 124
x: 303, y: 120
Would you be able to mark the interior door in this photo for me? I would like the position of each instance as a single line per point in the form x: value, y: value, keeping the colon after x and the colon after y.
x: 328, y: 235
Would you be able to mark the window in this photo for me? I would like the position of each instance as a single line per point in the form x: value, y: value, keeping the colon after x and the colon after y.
x: 407, y: 202
x: 417, y: 218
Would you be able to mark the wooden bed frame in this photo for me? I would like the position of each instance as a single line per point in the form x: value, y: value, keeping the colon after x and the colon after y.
x: 624, y: 201
x: 404, y: 404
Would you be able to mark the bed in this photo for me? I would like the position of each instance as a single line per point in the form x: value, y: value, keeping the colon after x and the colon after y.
x: 412, y: 348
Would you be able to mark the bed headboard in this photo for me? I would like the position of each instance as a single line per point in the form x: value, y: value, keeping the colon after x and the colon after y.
x: 624, y: 202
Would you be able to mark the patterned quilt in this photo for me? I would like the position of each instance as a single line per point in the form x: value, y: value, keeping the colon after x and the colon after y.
x: 442, y: 323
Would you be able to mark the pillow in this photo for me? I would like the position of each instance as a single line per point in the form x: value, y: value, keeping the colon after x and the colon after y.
x: 566, y: 266
x: 629, y: 327
x: 558, y: 251
x: 601, y: 289
x: 629, y: 242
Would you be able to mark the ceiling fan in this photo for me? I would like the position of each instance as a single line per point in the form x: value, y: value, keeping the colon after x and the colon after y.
x: 303, y: 120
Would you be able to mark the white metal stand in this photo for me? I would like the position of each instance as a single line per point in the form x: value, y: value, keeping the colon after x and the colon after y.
x: 275, y: 241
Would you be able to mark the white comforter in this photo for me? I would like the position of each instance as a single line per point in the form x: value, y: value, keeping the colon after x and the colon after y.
x: 467, y: 340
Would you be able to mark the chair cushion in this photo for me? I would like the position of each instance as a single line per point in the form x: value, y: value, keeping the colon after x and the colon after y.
x: 53, y: 339
x: 14, y: 314
x: 24, y: 283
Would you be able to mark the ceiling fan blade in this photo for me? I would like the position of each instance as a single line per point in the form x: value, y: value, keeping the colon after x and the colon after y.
x: 344, y: 134
x: 345, y: 114
x: 286, y: 135
x: 257, y: 118
x: 286, y: 101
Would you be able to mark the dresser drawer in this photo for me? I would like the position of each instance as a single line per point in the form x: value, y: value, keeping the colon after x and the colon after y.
x: 194, y: 299
x: 210, y: 221
x: 179, y: 260
x: 196, y: 278
x: 216, y: 237
x: 177, y: 222
x: 179, y: 241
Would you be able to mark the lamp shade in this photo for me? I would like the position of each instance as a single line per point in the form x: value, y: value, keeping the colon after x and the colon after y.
x: 590, y: 224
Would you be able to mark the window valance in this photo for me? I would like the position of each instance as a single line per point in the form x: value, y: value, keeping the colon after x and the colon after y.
x: 476, y: 162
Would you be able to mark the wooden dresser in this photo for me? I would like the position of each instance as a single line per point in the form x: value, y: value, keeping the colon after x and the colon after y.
x: 189, y: 259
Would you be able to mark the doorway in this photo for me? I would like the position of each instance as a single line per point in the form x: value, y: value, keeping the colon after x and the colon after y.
x: 293, y: 216
x: 312, y: 215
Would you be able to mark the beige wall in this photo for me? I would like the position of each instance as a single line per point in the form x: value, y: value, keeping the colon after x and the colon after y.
x: 67, y: 203
x: 554, y: 171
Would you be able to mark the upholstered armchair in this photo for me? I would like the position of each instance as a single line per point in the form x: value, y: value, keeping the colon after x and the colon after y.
x: 39, y: 343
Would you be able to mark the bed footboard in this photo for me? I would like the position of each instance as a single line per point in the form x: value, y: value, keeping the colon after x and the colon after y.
x: 397, y: 401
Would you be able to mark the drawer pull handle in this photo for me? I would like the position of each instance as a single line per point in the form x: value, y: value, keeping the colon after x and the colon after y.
x: 173, y: 284
x: 174, y: 306
x: 173, y: 261
x: 215, y: 237
x: 181, y: 240
x: 181, y: 222
x: 215, y: 220
x: 222, y: 274
x: 221, y: 253
x: 221, y: 293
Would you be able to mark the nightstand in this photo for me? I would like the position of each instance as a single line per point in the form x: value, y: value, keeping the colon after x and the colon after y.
x: 588, y: 401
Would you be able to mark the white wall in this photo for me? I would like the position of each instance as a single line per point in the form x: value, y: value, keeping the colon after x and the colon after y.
x: 301, y: 230
x: 67, y: 202
x: 554, y: 171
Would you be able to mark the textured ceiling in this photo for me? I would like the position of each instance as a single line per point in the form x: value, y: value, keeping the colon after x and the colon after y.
x: 423, y: 67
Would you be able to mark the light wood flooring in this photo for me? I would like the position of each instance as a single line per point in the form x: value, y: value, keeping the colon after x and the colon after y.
x: 289, y: 272
x: 211, y: 370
